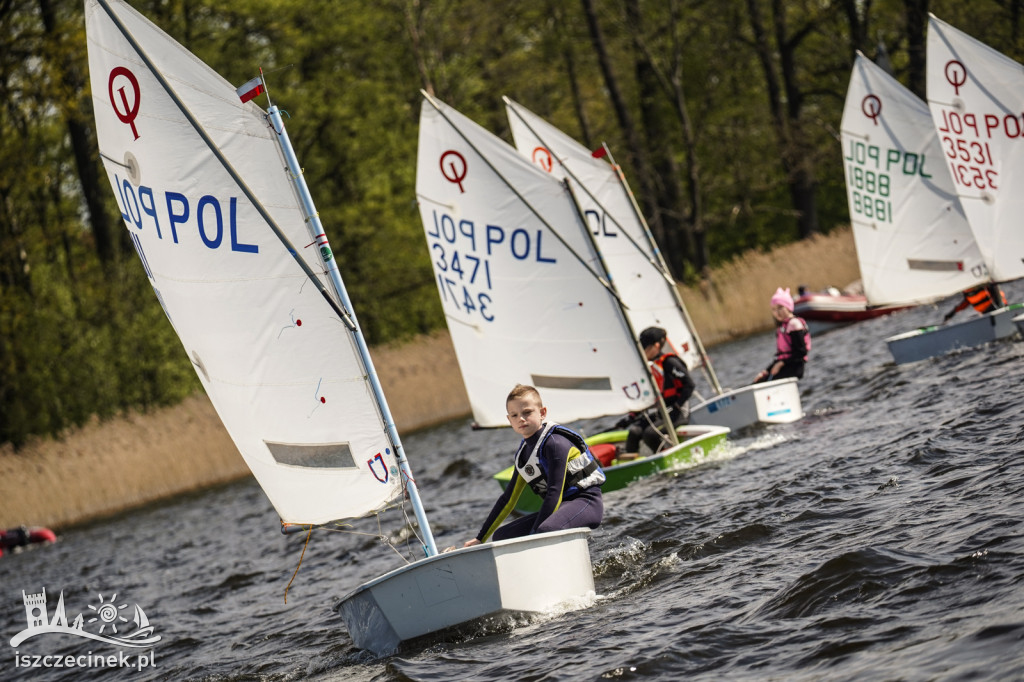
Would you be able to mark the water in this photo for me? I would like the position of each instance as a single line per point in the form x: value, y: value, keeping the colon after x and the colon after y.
x: 881, y: 537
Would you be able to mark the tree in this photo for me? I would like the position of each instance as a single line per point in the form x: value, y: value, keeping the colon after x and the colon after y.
x: 777, y: 53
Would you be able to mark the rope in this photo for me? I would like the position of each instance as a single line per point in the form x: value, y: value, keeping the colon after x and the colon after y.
x: 379, y: 535
x: 309, y: 534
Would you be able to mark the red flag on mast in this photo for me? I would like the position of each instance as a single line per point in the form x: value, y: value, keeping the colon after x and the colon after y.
x: 251, y: 90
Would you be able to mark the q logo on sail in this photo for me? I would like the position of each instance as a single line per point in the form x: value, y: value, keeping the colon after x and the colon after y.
x: 456, y: 165
x: 956, y: 74
x: 542, y: 157
x: 872, y: 107
x: 130, y: 110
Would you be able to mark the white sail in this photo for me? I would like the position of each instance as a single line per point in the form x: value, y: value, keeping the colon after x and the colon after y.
x: 272, y: 352
x: 628, y: 252
x: 913, y: 241
x: 976, y: 97
x: 519, y: 279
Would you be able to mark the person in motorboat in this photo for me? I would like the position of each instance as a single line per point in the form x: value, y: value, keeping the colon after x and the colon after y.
x: 792, y: 340
x: 984, y: 298
x: 557, y: 464
x: 676, y: 386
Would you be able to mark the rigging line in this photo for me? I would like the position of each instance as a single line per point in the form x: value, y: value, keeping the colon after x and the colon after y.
x: 624, y: 317
x: 349, y: 322
x: 411, y: 527
x: 674, y: 288
x: 437, y: 106
x: 654, y: 264
x: 309, y: 534
x: 434, y: 201
x: 116, y: 163
x: 387, y: 541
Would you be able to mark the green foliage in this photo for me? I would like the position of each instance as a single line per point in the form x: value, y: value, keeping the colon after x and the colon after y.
x: 80, y: 337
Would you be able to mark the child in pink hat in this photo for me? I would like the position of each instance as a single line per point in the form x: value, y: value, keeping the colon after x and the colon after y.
x: 792, y: 341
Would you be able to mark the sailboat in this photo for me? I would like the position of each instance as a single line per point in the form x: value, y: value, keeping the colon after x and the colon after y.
x: 975, y: 100
x: 525, y: 292
x: 914, y: 244
x: 638, y: 270
x: 215, y: 202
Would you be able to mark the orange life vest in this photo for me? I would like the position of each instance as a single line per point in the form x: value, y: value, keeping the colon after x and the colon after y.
x: 658, y: 370
x: 982, y: 301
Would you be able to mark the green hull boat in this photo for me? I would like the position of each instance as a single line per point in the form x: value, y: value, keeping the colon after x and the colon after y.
x: 694, y: 441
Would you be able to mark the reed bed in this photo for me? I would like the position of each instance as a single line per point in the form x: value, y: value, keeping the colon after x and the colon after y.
x: 107, y: 467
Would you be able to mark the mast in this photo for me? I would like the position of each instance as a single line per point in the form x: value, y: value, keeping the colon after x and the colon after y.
x: 660, y: 265
x: 338, y: 300
x: 316, y: 231
x: 659, y: 399
x: 708, y: 369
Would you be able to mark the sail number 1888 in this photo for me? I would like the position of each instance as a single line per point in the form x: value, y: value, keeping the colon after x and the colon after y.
x: 869, y: 192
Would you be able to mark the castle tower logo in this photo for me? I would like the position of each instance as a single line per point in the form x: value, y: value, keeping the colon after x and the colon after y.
x: 106, y: 621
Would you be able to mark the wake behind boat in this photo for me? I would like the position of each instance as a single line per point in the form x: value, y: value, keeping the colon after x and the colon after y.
x: 217, y: 206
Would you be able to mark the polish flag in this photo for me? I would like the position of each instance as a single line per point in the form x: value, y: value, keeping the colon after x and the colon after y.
x: 251, y: 90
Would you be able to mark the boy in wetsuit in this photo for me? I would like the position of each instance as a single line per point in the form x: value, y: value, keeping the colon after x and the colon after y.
x: 556, y: 463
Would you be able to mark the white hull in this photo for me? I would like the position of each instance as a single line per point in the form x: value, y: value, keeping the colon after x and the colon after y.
x: 927, y: 342
x: 533, y: 574
x: 1018, y: 322
x: 773, y: 402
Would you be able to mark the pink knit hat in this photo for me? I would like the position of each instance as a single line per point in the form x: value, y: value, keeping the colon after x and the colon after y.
x: 783, y: 298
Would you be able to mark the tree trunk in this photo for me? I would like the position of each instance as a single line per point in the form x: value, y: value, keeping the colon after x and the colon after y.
x: 794, y: 152
x: 414, y: 24
x: 83, y: 147
x: 916, y: 12
x: 676, y: 239
x: 555, y: 9
x: 636, y: 151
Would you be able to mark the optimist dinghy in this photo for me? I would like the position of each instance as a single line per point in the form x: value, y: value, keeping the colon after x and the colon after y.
x: 971, y: 87
x: 625, y: 244
x: 214, y: 198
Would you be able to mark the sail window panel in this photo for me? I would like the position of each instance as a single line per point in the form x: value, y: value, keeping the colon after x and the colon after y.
x: 572, y: 383
x: 313, y: 455
x: 936, y: 265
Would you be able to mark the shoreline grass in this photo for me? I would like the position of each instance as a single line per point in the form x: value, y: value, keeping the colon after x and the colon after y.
x: 107, y: 467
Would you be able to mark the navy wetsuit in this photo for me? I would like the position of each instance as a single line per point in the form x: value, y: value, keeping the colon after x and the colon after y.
x: 561, y: 507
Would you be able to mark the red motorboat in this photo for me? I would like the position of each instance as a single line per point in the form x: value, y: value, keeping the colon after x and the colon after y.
x: 21, y: 537
x: 832, y: 308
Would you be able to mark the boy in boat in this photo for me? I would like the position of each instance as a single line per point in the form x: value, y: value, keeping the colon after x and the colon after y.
x: 792, y: 341
x: 676, y: 386
x: 984, y: 298
x: 556, y: 463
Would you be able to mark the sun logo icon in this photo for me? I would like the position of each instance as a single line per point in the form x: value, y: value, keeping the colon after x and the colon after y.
x: 108, y: 614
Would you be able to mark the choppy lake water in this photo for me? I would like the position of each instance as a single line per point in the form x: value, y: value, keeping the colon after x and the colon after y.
x: 880, y: 537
